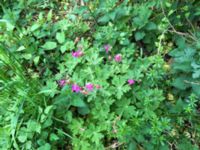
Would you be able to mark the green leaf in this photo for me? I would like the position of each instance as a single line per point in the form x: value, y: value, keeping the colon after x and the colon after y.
x: 96, y: 137
x: 196, y: 74
x: 53, y: 137
x: 48, y: 109
x: 27, y: 56
x: 196, y: 89
x: 151, y: 26
x: 112, y: 15
x: 21, y: 48
x: 196, y: 70
x: 143, y: 14
x: 104, y: 19
x: 184, y: 66
x: 35, y: 27
x: 120, y: 88
x: 49, y: 15
x: 9, y: 25
x: 83, y: 110
x: 68, y: 116
x: 47, y: 123
x: 49, y: 45
x: 179, y: 106
x: 60, y: 36
x: 185, y: 144
x: 5, y: 139
x: 78, y: 102
x: 69, y: 45
x: 180, y: 83
x: 180, y: 41
x: 132, y: 145
x: 43, y: 118
x: 36, y: 60
x: 34, y: 126
x: 49, y: 89
x: 139, y: 35
x: 22, y: 138
x: 28, y: 145
x: 47, y: 146
x: 189, y: 52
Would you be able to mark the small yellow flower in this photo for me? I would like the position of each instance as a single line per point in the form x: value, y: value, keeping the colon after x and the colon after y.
x: 166, y: 67
x: 170, y: 97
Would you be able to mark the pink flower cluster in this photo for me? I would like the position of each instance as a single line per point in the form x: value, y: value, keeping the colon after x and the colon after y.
x: 131, y: 81
x: 76, y: 88
x: 118, y: 57
x: 77, y: 53
x: 107, y: 47
x: 89, y: 87
x: 63, y: 82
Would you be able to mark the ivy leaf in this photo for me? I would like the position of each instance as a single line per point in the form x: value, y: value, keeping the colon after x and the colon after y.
x: 49, y: 45
x: 77, y: 101
x: 143, y: 14
x: 184, y: 66
x: 180, y: 83
x: 189, y: 52
x: 196, y: 74
x: 196, y: 70
x: 151, y: 26
x: 196, y: 89
x: 83, y: 110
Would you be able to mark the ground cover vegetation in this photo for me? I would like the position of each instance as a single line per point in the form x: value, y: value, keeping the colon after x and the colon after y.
x: 103, y: 74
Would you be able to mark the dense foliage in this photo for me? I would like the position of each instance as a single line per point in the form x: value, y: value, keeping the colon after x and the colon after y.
x: 104, y: 74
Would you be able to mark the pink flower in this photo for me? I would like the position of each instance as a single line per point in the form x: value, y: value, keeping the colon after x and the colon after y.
x: 131, y: 81
x: 84, y: 92
x: 107, y: 47
x: 98, y: 86
x: 118, y: 57
x: 77, y: 53
x: 62, y: 82
x: 89, y: 86
x: 76, y: 88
